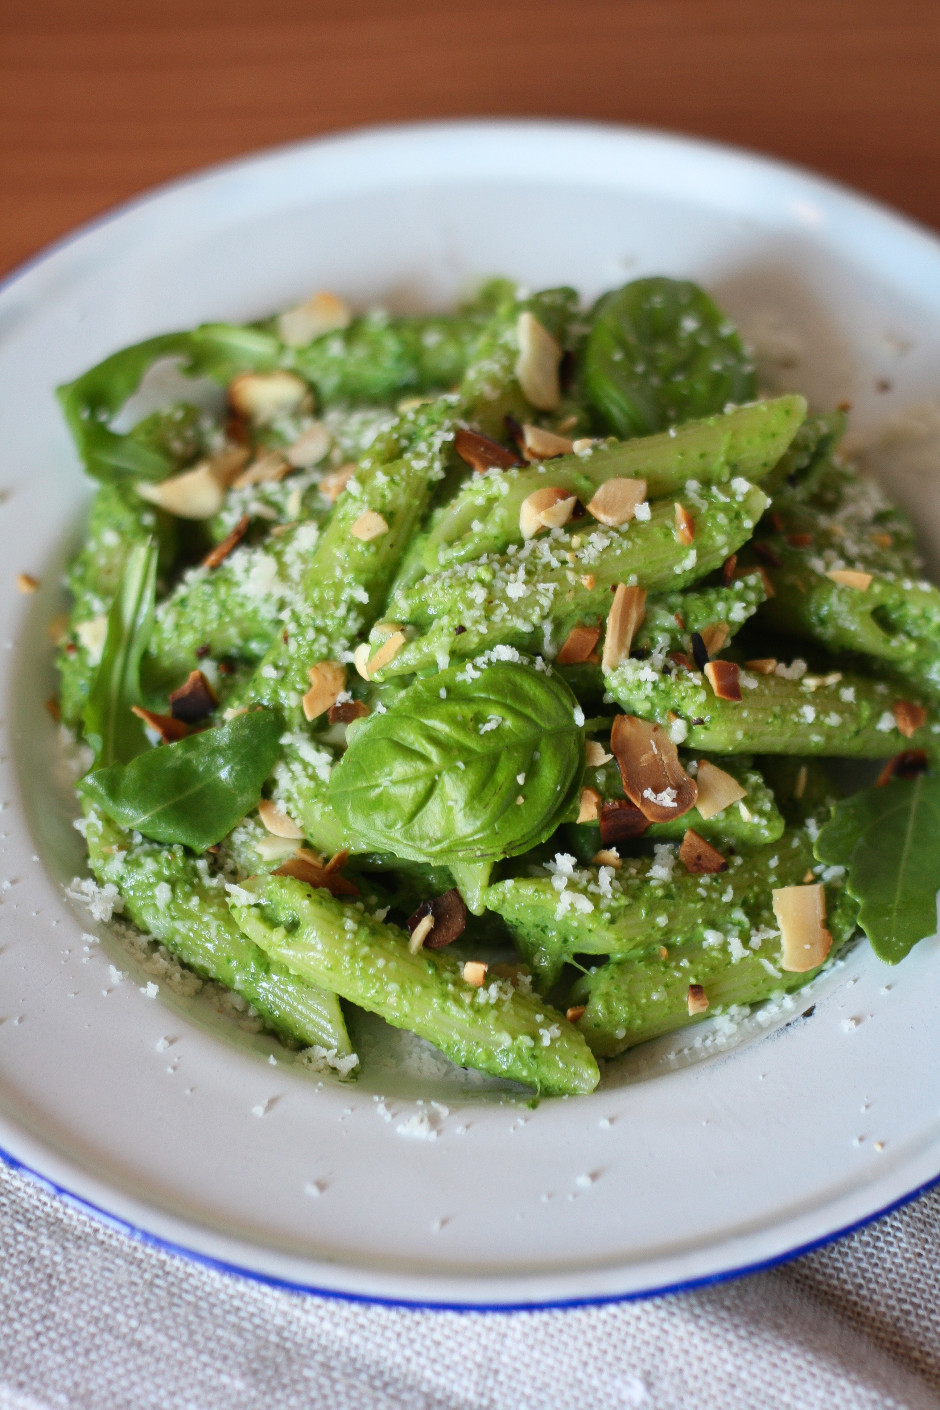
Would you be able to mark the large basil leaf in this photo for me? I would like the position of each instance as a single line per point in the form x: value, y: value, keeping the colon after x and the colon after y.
x: 196, y: 790
x: 887, y: 840
x: 660, y: 352
x: 477, y: 762
x: 115, y: 734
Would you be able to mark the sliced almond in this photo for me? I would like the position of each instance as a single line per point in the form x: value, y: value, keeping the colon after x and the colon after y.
x: 578, y: 645
x: 92, y: 635
x: 699, y: 856
x: 850, y: 578
x: 347, y: 711
x: 801, y: 915
x: 277, y: 821
x: 722, y: 676
x: 575, y: 1012
x: 420, y: 932
x: 589, y: 805
x: 308, y: 866
x: 607, y: 857
x: 321, y: 313
x: 763, y: 665
x: 386, y: 653
x: 909, y: 717
x: 882, y: 540
x: 621, y: 821
x: 166, y: 726
x: 361, y: 659
x: 559, y: 513
x: 310, y: 447
x: 539, y: 444
x: 717, y: 790
x: 194, y: 699
x: 263, y: 396
x: 26, y: 583
x: 327, y: 679
x: 626, y: 614
x: 714, y: 637
x: 195, y: 494
x: 538, y: 363
x: 583, y: 445
x: 685, y: 525
x: 481, y: 453
x: 539, y: 504
x: 268, y: 469
x: 653, y: 778
x: 697, y: 1000
x: 616, y: 500
x: 332, y: 485
x: 474, y: 972
x: 275, y: 849
x: 369, y: 526
x: 595, y: 754
x: 218, y: 555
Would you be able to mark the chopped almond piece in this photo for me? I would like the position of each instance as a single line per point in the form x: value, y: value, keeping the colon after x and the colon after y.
x: 420, y: 932
x: 277, y: 821
x: 607, y: 857
x: 368, y: 526
x: 616, y: 500
x: 578, y: 645
x: 653, y: 778
x: 327, y: 679
x: 575, y: 1012
x: 850, y: 578
x: 448, y: 916
x: 167, y: 727
x: 538, y: 444
x: 269, y: 469
x: 685, y: 525
x: 801, y: 915
x: 717, y: 790
x: 26, y: 583
x: 538, y: 363
x: 332, y: 485
x: 589, y: 805
x: 322, y: 313
x: 349, y: 710
x: 696, y: 999
x: 310, y: 447
x: 595, y: 754
x: 541, y: 502
x: 386, y: 653
x: 722, y: 676
x: 194, y: 699
x: 625, y: 616
x: 558, y: 514
x: 621, y: 821
x: 195, y: 494
x: 907, y: 764
x: 882, y: 540
x: 583, y: 444
x: 218, y: 555
x: 714, y: 637
x: 588, y: 580
x: 308, y: 866
x: 263, y: 396
x: 697, y: 855
x: 361, y: 659
x: 54, y: 708
x: 481, y: 453
x: 909, y: 717
x: 474, y: 972
x: 763, y: 665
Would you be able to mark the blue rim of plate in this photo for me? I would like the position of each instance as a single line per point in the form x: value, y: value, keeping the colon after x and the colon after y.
x: 146, y: 1237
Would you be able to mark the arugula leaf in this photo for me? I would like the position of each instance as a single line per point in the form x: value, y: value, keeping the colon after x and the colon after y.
x: 660, y: 352
x: 475, y: 763
x: 114, y: 734
x: 196, y: 790
x: 887, y: 839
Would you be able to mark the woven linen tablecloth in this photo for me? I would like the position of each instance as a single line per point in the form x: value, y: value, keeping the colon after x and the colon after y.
x: 92, y: 1318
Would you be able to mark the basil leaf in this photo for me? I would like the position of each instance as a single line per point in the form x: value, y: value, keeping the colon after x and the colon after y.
x: 196, y: 790
x: 886, y: 838
x: 114, y: 734
x: 477, y: 762
x: 660, y: 352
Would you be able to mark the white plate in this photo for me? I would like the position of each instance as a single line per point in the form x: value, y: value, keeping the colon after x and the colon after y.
x: 687, y: 1164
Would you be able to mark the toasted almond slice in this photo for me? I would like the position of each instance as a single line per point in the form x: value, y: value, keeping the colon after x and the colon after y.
x: 386, y: 653
x: 420, y: 932
x: 763, y: 665
x: 263, y: 396
x: 332, y: 485
x: 696, y: 999
x: 92, y: 635
x: 166, y: 726
x: 218, y: 555
x: 722, y: 676
x: 361, y: 659
x: 557, y: 514
x: 909, y: 717
x: 534, y: 506
x: 481, y: 453
x: 595, y: 754
x: 474, y: 972
x: 626, y: 614
x: 607, y: 857
x: 698, y: 855
x: 539, y: 444
x: 801, y: 915
x: 621, y: 821
x: 321, y: 313
x: 194, y: 699
x: 369, y: 526
x: 310, y: 447
x: 575, y: 1012
x: 583, y: 445
x: 714, y: 637
x: 308, y: 866
x: 327, y: 679
x: 26, y: 583
x: 275, y: 849
x: 538, y: 363
x: 717, y: 790
x: 653, y: 778
x: 277, y: 821
x: 589, y: 805
x: 269, y: 469
x: 588, y: 581
x: 195, y: 494
x: 578, y: 645
x: 685, y: 525
x: 616, y: 500
x: 850, y: 578
x: 882, y: 540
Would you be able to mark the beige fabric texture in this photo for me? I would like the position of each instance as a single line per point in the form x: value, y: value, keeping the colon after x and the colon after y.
x: 91, y: 1318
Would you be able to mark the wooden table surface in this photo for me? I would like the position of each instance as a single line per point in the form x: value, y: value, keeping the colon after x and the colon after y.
x: 103, y: 98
